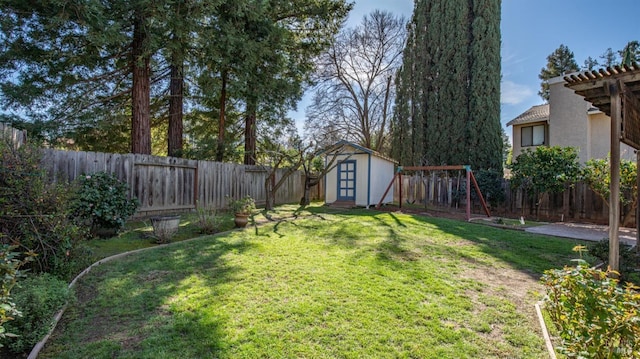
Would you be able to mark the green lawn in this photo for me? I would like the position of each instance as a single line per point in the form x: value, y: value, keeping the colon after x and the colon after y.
x: 331, y: 284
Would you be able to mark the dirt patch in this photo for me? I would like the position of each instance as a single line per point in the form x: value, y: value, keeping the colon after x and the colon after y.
x: 503, y: 284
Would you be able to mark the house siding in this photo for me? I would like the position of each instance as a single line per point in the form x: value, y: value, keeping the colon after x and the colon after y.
x: 384, y: 173
x: 568, y: 120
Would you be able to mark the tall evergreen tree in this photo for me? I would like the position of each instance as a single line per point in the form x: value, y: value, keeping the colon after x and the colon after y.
x: 448, y: 104
x: 609, y: 58
x: 630, y: 53
x: 560, y: 62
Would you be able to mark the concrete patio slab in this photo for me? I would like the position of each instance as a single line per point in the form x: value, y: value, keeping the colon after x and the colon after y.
x: 588, y: 232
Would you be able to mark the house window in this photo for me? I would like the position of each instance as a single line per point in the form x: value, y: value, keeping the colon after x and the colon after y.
x: 533, y: 136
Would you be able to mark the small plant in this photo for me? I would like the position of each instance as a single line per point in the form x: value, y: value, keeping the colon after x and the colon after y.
x: 208, y: 220
x: 244, y: 205
x: 164, y: 228
x: 101, y: 201
x: 595, y: 317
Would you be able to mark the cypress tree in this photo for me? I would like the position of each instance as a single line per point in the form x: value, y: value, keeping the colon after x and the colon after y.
x: 454, y: 90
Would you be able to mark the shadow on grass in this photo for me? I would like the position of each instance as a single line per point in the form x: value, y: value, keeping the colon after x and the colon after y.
x: 529, y: 253
x: 142, y: 302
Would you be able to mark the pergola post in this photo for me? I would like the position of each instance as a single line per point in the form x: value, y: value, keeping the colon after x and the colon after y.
x: 468, y: 170
x: 613, y: 90
x: 605, y: 90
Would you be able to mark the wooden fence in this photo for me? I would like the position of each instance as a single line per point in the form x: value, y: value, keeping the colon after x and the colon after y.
x: 169, y: 184
x: 15, y: 137
x: 577, y: 203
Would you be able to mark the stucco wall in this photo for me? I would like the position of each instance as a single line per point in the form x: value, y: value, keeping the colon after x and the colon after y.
x: 568, y: 120
x: 599, y: 137
x: 570, y: 124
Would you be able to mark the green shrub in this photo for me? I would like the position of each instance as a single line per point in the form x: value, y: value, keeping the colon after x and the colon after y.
x: 209, y: 221
x: 629, y: 259
x: 101, y: 201
x: 38, y: 298
x: 10, y: 264
x: 34, y: 212
x: 594, y: 316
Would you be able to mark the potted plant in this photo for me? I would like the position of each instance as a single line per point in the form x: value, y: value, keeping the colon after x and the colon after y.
x: 242, y: 209
x: 164, y: 227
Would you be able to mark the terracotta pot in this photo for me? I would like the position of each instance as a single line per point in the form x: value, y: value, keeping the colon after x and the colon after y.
x: 241, y: 220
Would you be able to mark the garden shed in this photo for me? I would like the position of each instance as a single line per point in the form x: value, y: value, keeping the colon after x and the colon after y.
x: 359, y: 176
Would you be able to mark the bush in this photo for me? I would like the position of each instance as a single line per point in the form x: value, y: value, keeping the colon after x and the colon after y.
x: 33, y: 212
x: 208, y: 220
x: 101, y: 201
x: 594, y: 316
x: 629, y: 259
x: 10, y: 264
x: 38, y: 298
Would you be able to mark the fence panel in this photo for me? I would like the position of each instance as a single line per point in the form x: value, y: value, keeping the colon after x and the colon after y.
x: 13, y: 136
x: 168, y: 184
x: 577, y: 203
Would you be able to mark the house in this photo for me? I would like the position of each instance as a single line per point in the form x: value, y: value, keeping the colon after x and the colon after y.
x: 567, y: 120
x: 360, y: 176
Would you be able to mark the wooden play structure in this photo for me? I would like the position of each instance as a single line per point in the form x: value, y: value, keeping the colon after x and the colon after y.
x: 470, y: 178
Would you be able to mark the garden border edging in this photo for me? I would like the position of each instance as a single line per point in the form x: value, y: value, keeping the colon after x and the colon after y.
x: 545, y: 331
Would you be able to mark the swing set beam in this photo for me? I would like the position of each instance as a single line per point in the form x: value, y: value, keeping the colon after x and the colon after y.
x: 470, y: 179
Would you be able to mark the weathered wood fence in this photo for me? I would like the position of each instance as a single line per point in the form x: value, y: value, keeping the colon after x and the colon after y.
x: 577, y: 203
x: 169, y: 184
x: 15, y: 137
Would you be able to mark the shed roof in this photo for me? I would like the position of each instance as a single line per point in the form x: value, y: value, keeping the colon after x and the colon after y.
x: 340, y: 144
x: 534, y: 114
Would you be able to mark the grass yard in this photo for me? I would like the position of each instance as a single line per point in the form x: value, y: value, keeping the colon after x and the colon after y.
x: 331, y: 284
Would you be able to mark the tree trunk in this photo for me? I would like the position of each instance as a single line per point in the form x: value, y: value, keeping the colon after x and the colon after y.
x: 269, y: 187
x: 140, y: 93
x: 250, y: 134
x: 176, y: 90
x: 221, y: 121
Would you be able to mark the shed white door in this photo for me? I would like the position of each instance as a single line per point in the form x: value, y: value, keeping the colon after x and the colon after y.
x: 347, y: 181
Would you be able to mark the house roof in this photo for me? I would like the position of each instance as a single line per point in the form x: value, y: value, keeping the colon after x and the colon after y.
x: 537, y: 113
x: 363, y: 149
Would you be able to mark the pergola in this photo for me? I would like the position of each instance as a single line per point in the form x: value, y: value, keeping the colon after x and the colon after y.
x: 616, y: 92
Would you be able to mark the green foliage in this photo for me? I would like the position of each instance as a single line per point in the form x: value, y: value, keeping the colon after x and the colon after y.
x: 629, y: 259
x: 209, y: 222
x: 38, y: 298
x: 10, y: 263
x: 243, y: 205
x: 33, y: 212
x: 595, y: 317
x: 101, y: 201
x: 560, y: 62
x: 545, y: 169
x: 490, y: 183
x: 596, y: 173
x: 448, y: 89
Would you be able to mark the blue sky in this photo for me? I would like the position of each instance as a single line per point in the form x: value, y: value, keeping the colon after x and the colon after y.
x: 531, y: 30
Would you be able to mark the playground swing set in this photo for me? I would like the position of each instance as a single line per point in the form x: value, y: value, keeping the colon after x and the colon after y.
x: 469, y: 175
